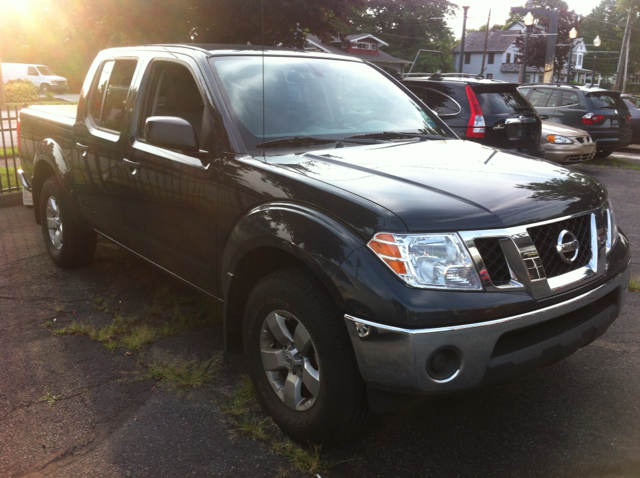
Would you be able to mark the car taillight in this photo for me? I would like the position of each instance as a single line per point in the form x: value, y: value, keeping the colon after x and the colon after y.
x: 628, y: 118
x: 476, y: 125
x: 590, y: 118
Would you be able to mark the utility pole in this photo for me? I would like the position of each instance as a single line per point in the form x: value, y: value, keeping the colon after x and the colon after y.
x: 486, y: 40
x: 619, y: 82
x: 464, y: 33
x: 626, y: 63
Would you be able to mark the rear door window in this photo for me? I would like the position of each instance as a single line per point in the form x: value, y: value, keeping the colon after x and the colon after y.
x: 569, y: 98
x: 108, y: 95
x: 439, y: 102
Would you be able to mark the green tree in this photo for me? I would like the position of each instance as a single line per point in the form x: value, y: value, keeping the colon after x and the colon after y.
x: 408, y: 25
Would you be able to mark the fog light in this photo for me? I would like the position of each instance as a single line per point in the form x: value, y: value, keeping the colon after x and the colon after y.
x: 444, y: 364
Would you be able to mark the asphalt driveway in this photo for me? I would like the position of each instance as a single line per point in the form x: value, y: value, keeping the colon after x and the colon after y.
x: 70, y: 407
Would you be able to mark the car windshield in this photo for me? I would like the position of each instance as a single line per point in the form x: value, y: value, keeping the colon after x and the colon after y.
x: 313, y: 102
x: 45, y: 70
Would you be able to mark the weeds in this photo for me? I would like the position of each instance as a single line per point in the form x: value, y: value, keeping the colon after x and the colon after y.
x: 245, y: 413
x: 50, y: 399
x: 634, y: 284
x: 613, y: 162
x: 186, y: 373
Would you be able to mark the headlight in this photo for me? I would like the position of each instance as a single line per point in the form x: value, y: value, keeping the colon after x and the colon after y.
x: 612, y: 228
x: 427, y: 261
x: 557, y: 139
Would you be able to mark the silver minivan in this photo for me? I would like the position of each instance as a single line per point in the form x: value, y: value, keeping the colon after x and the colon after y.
x: 40, y: 75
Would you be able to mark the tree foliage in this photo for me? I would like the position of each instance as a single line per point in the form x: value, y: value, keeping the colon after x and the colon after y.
x: 407, y: 26
x: 67, y: 34
x: 538, y: 43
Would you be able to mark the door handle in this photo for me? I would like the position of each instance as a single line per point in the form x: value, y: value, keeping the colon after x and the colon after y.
x: 131, y: 164
x: 82, y: 147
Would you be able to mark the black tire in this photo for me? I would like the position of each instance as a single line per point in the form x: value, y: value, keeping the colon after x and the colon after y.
x: 67, y: 244
x: 603, y: 153
x: 335, y: 405
x: 44, y: 88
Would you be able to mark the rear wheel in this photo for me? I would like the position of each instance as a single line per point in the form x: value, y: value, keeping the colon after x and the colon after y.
x: 300, y: 360
x: 44, y: 88
x: 66, y: 243
x: 603, y: 153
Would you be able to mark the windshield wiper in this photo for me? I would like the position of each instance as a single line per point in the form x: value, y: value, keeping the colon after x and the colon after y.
x: 391, y: 135
x: 310, y: 140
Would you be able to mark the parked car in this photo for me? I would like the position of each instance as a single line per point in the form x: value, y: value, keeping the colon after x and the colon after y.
x: 41, y: 76
x: 365, y: 256
x: 634, y: 99
x: 564, y: 144
x: 600, y: 112
x: 635, y: 119
x: 489, y: 112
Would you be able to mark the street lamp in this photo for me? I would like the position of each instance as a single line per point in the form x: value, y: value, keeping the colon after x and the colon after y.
x: 528, y: 21
x: 597, y: 42
x: 572, y: 36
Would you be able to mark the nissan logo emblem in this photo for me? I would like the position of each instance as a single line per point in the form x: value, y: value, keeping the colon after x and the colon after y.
x: 567, y: 247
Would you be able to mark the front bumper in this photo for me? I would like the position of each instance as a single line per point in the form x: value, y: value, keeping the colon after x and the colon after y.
x: 569, y: 153
x: 397, y: 359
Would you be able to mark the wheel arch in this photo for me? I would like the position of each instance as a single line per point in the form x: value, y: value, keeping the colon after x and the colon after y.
x: 299, y: 237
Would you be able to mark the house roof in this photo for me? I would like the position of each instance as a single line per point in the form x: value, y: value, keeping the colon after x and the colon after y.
x: 381, y: 57
x: 499, y: 41
x: 362, y: 36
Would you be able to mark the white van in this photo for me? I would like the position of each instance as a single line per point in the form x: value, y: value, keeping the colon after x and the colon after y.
x: 40, y: 75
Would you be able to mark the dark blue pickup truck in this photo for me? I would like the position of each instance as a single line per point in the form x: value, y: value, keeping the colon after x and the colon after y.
x: 364, y: 254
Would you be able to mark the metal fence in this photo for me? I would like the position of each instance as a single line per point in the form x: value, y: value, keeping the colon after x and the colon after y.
x: 9, y: 158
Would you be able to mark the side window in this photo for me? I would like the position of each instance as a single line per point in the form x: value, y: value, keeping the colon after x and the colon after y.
x: 108, y: 95
x: 173, y: 91
x: 440, y: 103
x: 540, y: 96
x: 569, y: 98
x: 553, y: 100
x: 32, y: 71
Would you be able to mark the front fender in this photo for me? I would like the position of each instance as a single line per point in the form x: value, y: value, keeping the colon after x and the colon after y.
x: 314, y: 238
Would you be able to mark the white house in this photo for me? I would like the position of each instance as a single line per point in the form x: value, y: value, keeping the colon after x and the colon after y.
x: 503, y: 61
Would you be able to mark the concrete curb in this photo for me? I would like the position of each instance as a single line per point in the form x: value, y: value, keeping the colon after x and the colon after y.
x: 11, y: 199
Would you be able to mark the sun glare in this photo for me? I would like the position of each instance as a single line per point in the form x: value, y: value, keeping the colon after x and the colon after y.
x: 22, y: 7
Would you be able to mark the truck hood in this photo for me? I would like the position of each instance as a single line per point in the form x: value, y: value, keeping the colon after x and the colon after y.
x: 451, y: 184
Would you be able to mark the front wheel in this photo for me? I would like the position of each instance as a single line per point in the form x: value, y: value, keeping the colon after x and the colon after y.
x: 300, y: 360
x: 44, y: 88
x: 67, y: 244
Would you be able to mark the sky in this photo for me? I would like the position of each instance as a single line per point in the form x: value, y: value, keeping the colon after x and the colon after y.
x: 479, y: 9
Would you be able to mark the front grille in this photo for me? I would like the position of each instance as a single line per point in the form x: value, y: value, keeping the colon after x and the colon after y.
x: 584, y: 139
x: 545, y: 238
x: 579, y: 157
x: 494, y: 260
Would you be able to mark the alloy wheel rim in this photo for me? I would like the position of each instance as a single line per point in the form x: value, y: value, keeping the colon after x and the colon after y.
x: 290, y: 360
x: 54, y: 224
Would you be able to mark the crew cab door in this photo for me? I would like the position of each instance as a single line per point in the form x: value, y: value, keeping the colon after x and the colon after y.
x: 97, y: 152
x: 169, y: 195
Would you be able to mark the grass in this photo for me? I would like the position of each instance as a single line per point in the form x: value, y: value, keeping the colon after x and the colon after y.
x: 634, y: 284
x: 9, y: 152
x: 612, y: 162
x: 185, y: 373
x: 245, y: 413
x: 50, y: 399
x: 10, y: 179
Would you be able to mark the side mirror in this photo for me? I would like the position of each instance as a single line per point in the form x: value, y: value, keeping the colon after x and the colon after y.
x: 171, y: 132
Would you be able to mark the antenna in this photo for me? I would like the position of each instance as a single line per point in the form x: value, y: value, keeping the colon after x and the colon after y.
x: 263, y: 95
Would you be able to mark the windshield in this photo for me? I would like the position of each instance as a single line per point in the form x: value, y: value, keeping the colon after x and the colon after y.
x: 313, y: 102
x: 45, y: 70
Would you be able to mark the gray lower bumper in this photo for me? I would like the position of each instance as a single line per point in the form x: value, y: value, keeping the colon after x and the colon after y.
x: 396, y: 359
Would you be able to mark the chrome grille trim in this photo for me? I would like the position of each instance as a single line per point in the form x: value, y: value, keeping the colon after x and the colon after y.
x: 525, y: 265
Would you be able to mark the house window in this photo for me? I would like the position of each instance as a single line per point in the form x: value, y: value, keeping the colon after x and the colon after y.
x: 374, y: 46
x: 489, y: 76
x: 491, y: 58
x: 467, y: 58
x: 508, y: 58
x: 579, y: 62
x: 363, y: 46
